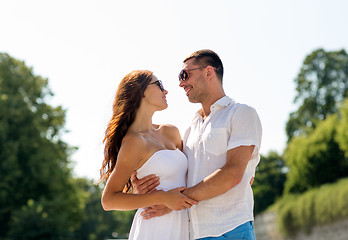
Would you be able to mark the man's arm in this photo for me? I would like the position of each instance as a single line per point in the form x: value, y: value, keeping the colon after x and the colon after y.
x: 146, y: 185
x: 224, y: 178
x: 216, y: 183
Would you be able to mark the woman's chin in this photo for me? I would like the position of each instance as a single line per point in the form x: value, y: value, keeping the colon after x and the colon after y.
x: 164, y: 107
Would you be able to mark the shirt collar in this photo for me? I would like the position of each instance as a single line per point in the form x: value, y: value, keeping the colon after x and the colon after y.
x: 222, y: 102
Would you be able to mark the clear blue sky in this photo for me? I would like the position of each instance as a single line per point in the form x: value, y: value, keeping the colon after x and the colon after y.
x: 85, y: 47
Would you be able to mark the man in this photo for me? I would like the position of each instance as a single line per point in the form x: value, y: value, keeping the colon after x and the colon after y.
x: 222, y: 146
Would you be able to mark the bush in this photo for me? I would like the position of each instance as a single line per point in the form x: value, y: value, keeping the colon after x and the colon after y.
x: 318, y: 206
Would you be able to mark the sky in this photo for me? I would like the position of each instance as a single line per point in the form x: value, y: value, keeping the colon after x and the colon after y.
x: 84, y: 48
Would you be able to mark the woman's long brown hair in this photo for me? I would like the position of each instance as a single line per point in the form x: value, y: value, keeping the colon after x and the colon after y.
x: 127, y: 101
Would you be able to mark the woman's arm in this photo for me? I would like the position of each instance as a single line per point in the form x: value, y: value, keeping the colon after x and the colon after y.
x: 131, y: 153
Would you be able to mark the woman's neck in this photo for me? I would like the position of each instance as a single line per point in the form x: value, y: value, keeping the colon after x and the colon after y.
x: 142, y: 121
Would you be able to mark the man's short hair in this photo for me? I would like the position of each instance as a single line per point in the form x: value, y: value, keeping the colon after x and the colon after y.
x: 205, y: 58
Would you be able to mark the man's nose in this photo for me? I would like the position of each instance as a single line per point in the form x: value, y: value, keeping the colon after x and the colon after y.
x: 181, y: 83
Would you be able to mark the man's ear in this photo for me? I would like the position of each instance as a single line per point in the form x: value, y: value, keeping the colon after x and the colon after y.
x: 210, y: 71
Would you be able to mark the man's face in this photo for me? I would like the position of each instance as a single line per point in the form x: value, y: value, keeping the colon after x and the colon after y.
x: 194, y: 85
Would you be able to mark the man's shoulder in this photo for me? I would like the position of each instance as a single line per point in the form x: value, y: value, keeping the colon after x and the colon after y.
x: 236, y: 107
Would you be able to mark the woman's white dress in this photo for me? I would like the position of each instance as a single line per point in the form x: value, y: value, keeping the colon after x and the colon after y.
x: 171, y: 167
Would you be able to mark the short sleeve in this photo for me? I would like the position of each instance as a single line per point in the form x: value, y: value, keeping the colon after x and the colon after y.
x: 245, y: 129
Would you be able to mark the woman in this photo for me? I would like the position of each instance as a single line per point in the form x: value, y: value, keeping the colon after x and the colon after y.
x: 133, y: 142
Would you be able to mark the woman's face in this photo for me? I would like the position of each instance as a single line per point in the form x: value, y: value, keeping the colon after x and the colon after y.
x: 155, y: 94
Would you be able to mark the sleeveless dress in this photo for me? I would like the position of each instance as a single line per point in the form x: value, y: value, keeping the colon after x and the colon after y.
x: 171, y: 167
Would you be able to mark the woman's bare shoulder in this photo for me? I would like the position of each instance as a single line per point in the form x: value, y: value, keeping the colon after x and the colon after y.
x: 172, y: 133
x: 133, y: 145
x: 169, y: 128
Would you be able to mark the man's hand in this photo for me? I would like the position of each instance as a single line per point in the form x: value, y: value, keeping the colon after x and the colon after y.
x: 145, y: 185
x: 155, y: 211
x: 251, y: 181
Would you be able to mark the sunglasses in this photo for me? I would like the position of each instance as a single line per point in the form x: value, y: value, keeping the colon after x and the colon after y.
x: 159, y: 84
x: 184, y: 74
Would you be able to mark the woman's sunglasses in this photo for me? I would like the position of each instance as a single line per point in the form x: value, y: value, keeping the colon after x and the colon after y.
x: 159, y: 84
x: 184, y: 74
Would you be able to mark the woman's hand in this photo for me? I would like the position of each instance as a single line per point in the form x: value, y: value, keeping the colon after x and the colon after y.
x: 175, y: 200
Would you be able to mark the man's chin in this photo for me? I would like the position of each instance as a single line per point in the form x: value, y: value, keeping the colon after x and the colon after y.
x: 192, y: 100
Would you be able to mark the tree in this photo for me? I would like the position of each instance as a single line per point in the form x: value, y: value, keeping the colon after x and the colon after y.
x: 97, y: 223
x: 39, y: 198
x: 342, y: 129
x: 269, y: 181
x: 315, y: 159
x: 321, y: 85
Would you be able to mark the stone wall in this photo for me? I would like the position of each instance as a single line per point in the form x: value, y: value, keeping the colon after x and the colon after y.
x: 266, y: 229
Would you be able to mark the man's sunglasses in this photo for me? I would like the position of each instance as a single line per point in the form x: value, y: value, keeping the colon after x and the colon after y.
x: 184, y: 74
x: 159, y: 84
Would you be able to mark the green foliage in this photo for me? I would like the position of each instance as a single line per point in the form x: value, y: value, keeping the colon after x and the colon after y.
x: 286, y: 220
x: 97, y: 223
x: 39, y: 198
x: 269, y: 181
x: 342, y: 129
x: 321, y: 85
x: 317, y: 150
x: 315, y: 159
x: 37, y: 221
x: 317, y: 206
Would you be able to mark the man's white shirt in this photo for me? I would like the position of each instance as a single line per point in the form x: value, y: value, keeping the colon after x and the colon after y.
x: 229, y: 125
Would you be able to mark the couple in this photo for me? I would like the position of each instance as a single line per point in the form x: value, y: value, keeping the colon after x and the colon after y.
x: 216, y: 159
